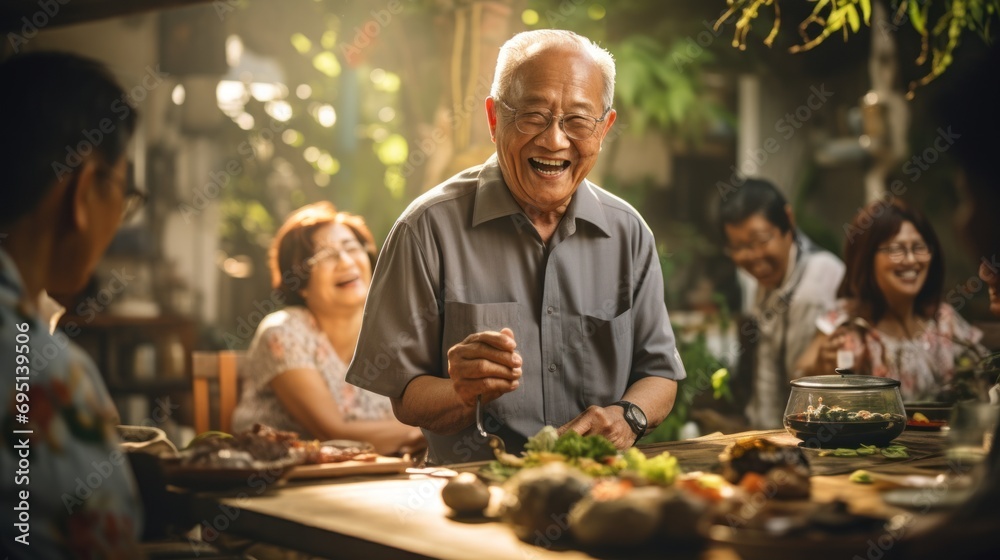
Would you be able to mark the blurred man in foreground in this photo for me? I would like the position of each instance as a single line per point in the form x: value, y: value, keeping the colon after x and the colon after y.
x: 67, y: 489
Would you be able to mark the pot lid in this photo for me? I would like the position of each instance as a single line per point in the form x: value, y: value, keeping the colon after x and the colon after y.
x: 845, y: 381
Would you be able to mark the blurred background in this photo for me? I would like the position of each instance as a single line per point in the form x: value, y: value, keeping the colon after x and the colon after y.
x: 252, y: 108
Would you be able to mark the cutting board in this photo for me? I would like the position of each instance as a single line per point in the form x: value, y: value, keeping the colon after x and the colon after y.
x: 382, y: 465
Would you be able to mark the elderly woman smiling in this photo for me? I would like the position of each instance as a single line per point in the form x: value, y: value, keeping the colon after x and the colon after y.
x: 890, y: 316
x: 321, y: 261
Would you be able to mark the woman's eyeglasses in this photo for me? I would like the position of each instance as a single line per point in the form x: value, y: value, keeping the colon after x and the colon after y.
x: 897, y: 252
x: 333, y: 254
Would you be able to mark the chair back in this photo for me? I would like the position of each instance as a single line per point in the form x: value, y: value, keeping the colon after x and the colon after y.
x: 215, y: 378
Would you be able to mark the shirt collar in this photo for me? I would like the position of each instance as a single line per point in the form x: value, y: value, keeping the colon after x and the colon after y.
x: 494, y: 200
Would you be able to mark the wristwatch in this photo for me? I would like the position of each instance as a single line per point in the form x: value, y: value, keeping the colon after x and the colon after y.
x: 635, y: 417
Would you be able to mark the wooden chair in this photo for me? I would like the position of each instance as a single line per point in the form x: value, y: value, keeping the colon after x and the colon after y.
x: 218, y: 371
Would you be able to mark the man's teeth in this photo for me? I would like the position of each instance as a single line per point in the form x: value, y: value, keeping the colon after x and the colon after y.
x: 907, y: 274
x: 548, y: 166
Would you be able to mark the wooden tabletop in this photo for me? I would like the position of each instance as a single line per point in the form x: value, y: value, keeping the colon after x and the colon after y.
x: 402, y: 516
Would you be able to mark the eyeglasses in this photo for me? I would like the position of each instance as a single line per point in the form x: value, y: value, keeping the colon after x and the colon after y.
x: 353, y: 249
x: 897, y: 252
x: 134, y: 200
x: 736, y: 251
x: 574, y: 125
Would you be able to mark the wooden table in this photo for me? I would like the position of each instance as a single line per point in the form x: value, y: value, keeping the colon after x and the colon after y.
x: 402, y: 516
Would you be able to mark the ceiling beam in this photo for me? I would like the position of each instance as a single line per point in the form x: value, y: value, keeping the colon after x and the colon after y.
x: 29, y: 16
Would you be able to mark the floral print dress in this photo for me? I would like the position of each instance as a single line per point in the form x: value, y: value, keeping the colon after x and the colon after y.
x: 291, y: 339
x: 924, y: 365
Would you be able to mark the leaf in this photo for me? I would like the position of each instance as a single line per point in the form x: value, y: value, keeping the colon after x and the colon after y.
x: 918, y: 18
x: 861, y: 477
x: 895, y: 453
x: 845, y: 452
x: 852, y: 17
x: 866, y: 11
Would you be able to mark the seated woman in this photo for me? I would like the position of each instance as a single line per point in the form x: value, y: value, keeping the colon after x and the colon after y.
x: 321, y: 262
x: 890, y: 316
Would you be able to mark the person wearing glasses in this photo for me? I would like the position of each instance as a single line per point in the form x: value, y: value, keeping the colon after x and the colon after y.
x: 521, y: 285
x: 321, y: 264
x: 68, y: 490
x: 890, y: 320
x: 786, y: 281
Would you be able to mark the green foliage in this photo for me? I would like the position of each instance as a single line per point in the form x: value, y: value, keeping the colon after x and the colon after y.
x: 703, y: 373
x: 654, y: 93
x: 940, y: 23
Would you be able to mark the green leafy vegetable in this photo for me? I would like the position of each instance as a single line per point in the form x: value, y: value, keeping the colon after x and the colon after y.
x: 543, y: 441
x: 845, y: 452
x: 861, y: 477
x: 895, y: 452
x: 575, y: 446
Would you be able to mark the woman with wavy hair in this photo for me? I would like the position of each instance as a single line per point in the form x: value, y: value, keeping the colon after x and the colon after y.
x: 321, y: 263
x: 890, y: 320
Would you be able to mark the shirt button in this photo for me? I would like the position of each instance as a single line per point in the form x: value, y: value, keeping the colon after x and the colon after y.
x: 550, y: 310
x: 552, y: 367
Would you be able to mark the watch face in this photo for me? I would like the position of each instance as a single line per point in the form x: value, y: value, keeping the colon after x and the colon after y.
x: 636, y: 417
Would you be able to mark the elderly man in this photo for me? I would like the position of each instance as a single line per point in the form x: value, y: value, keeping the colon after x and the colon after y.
x: 787, y: 283
x: 68, y: 491
x: 520, y: 282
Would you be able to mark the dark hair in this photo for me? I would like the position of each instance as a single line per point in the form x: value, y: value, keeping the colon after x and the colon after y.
x: 874, y: 224
x: 293, y: 246
x: 57, y: 109
x: 754, y: 196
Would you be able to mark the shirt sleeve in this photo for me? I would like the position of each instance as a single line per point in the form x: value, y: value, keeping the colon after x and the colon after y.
x: 402, y: 328
x: 815, y: 298
x: 655, y: 347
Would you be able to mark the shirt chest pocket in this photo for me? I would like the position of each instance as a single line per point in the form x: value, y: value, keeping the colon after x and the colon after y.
x: 606, y: 352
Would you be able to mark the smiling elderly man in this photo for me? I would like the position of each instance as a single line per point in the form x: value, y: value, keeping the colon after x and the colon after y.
x: 520, y: 282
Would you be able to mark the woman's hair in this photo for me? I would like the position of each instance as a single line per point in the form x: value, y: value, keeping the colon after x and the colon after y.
x: 525, y: 44
x: 754, y: 196
x: 873, y: 225
x: 57, y: 109
x: 293, y: 246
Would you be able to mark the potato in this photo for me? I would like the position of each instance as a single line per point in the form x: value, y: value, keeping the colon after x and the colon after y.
x: 628, y: 520
x: 537, y: 500
x: 466, y: 494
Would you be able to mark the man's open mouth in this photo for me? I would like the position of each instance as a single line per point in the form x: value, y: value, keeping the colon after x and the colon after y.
x: 548, y: 166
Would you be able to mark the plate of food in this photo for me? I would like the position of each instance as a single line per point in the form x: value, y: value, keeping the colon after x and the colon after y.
x: 258, y: 458
x: 263, y: 456
x: 341, y: 457
x: 927, y: 416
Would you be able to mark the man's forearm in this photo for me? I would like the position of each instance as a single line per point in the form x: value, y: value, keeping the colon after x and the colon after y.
x: 432, y: 404
x: 655, y: 396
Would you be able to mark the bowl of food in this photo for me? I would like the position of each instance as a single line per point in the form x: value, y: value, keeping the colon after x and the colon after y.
x: 830, y: 411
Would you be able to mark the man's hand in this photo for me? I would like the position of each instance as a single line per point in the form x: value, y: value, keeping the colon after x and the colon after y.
x: 486, y: 364
x: 607, y: 421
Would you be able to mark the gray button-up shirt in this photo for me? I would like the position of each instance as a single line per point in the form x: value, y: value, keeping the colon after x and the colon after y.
x: 587, y: 310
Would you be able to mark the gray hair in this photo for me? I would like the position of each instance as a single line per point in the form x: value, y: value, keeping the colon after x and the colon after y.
x: 519, y: 47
